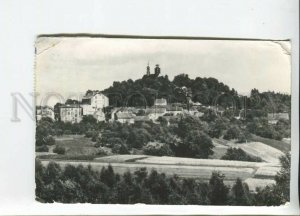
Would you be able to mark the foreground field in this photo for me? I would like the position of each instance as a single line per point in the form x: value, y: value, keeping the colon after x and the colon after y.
x: 185, y: 167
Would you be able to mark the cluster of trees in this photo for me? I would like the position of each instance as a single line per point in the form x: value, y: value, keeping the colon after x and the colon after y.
x: 83, y: 184
x: 261, y: 127
x: 185, y: 137
x: 143, y: 91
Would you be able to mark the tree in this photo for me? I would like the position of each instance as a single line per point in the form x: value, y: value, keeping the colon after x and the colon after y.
x: 278, y: 193
x: 196, y: 144
x: 232, y: 133
x: 218, y: 191
x: 239, y: 194
x: 282, y: 178
x: 108, y: 176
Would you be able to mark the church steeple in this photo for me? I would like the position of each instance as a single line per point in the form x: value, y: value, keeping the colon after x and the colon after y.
x: 148, y: 70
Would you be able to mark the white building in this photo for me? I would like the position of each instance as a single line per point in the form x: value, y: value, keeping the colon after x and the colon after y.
x: 125, y: 117
x: 44, y: 111
x: 99, y: 115
x: 93, y: 104
x: 70, y: 113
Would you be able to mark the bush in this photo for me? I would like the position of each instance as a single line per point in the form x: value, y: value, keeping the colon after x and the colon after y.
x: 42, y: 148
x: 59, y: 150
x: 239, y: 155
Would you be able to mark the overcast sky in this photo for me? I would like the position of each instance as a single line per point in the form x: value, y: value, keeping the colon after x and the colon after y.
x: 74, y: 65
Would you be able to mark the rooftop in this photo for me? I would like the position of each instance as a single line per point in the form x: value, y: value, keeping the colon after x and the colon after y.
x: 125, y: 115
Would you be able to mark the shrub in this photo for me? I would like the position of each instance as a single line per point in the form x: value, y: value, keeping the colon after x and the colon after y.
x: 42, y: 148
x: 59, y: 150
x: 239, y: 155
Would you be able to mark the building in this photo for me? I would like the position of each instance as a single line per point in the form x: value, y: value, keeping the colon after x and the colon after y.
x: 157, y: 70
x: 70, y: 113
x: 174, y: 110
x: 274, y: 117
x: 93, y: 101
x: 43, y: 112
x: 160, y: 102
x: 125, y: 117
x: 99, y: 115
x: 155, y: 113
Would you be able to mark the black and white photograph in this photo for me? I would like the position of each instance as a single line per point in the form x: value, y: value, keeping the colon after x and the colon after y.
x: 164, y: 121
x: 161, y: 107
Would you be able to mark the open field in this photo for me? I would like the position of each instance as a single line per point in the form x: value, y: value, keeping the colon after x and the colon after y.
x: 265, y: 152
x: 120, y: 158
x: 264, y: 172
x: 198, y: 162
x: 76, y: 145
x: 283, y: 146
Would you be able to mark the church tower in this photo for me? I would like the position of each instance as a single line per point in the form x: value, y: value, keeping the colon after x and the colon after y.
x: 157, y: 70
x: 148, y: 70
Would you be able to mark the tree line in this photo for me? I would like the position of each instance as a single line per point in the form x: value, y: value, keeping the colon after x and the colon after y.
x: 79, y: 184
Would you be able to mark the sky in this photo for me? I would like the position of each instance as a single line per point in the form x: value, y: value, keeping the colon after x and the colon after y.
x: 69, y: 66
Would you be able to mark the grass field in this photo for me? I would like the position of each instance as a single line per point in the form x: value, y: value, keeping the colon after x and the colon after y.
x: 280, y: 145
x: 76, y: 145
x: 265, y: 152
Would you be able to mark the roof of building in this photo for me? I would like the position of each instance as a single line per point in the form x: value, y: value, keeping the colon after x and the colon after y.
x: 125, y: 115
x: 174, y: 108
x: 276, y: 116
x: 70, y: 106
x: 155, y: 110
